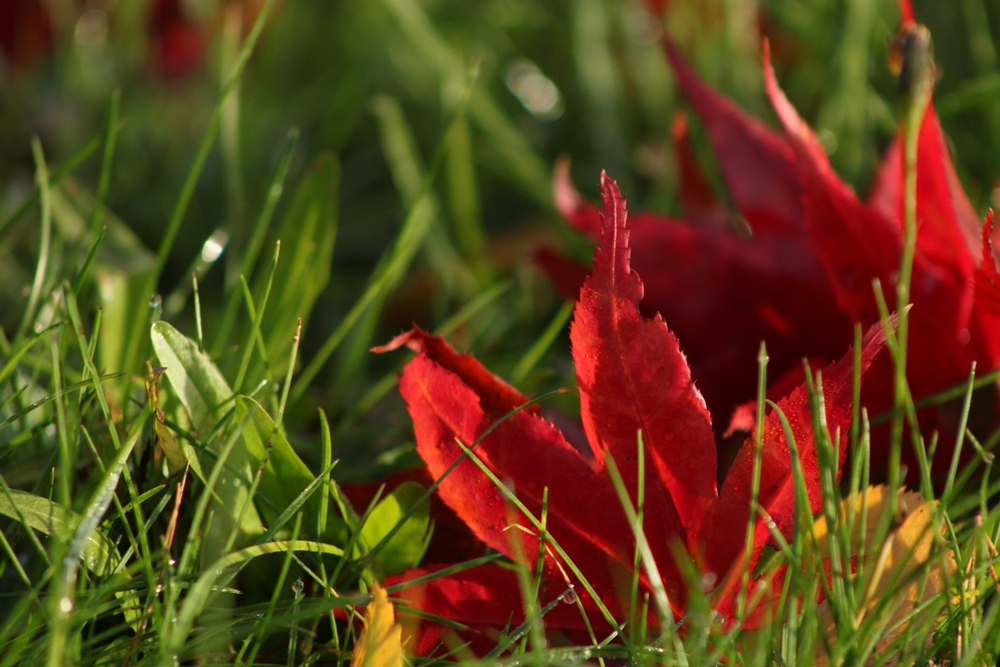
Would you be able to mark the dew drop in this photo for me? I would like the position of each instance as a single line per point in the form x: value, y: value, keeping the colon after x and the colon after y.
x: 66, y: 605
x: 298, y: 587
x: 569, y: 597
x: 155, y: 300
x: 708, y: 581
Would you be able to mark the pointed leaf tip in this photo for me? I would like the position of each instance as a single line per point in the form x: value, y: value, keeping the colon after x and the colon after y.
x: 380, y: 643
x: 906, y: 14
x: 633, y: 377
x: 584, y: 217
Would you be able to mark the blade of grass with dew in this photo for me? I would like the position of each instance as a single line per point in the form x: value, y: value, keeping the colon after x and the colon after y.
x: 134, y: 340
x: 308, y: 233
x: 286, y: 515
x: 257, y: 319
x: 963, y: 421
x: 97, y: 553
x: 263, y: 626
x: 203, y: 586
x: 916, y: 93
x: 193, y: 543
x: 62, y: 601
x: 246, y: 265
x: 83, y: 384
x: 762, y: 360
x: 203, y: 391
x: 135, y: 429
x: 66, y: 470
x: 393, y: 268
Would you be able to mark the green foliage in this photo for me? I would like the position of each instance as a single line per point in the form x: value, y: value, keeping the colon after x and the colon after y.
x: 413, y: 188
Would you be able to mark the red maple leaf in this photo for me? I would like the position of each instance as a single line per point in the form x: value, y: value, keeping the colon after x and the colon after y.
x: 805, y: 270
x: 632, y: 377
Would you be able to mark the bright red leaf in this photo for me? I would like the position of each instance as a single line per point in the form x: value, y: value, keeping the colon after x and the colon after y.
x: 632, y: 376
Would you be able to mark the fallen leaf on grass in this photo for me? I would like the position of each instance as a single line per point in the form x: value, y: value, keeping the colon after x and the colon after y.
x: 380, y: 643
x: 907, y: 569
x: 632, y: 377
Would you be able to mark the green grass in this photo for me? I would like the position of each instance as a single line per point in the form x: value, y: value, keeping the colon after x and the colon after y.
x: 378, y: 143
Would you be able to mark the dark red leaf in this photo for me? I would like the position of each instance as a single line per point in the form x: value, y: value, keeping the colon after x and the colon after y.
x: 699, y: 201
x: 485, y: 599
x: 723, y: 293
x: 584, y: 217
x: 726, y: 524
x: 566, y: 274
x: 756, y: 162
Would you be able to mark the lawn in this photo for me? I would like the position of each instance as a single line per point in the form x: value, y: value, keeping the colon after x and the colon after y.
x: 506, y: 332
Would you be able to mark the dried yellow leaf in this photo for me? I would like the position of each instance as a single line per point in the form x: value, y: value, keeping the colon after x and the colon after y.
x: 904, y: 567
x: 380, y: 643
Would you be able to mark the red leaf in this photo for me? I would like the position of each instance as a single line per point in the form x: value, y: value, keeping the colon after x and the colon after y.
x: 855, y: 243
x: 497, y: 397
x: 723, y: 293
x: 987, y: 276
x: 859, y: 243
x: 696, y: 195
x: 906, y: 12
x: 726, y: 524
x: 756, y: 162
x: 633, y: 377
x: 446, y: 401
x: 485, y: 599
x: 571, y: 205
x: 566, y: 274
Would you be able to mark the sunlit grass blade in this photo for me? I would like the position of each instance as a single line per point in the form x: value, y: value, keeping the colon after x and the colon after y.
x: 62, y: 601
x: 394, y: 265
x: 249, y: 257
x: 41, y: 268
x: 135, y: 338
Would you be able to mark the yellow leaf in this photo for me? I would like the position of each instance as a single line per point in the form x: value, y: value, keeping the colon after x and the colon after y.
x: 905, y: 566
x: 380, y: 644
